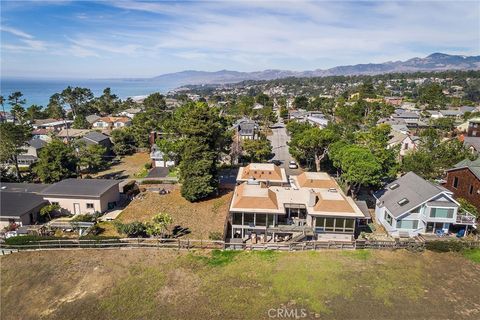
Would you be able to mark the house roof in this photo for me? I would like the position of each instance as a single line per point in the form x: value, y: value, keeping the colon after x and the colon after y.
x: 92, y: 118
x: 473, y: 165
x: 332, y: 201
x: 411, y: 187
x: 114, y: 119
x: 72, y: 133
x: 16, y: 204
x: 40, y: 132
x: 37, y: 143
x: 80, y: 187
x: 95, y: 136
x: 315, y: 180
x: 22, y: 187
x: 262, y: 172
x: 249, y: 196
x: 396, y: 137
x: 328, y: 200
x: 473, y: 142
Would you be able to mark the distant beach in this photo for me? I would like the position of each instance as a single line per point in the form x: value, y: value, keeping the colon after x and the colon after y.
x: 39, y: 91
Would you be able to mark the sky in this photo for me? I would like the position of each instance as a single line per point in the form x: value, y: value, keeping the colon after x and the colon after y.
x: 117, y: 39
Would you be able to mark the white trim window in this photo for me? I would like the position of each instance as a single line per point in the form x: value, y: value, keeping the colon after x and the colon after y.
x: 407, y: 224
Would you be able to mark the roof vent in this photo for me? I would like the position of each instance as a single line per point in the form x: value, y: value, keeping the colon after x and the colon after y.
x: 394, y: 186
x: 403, y: 201
x: 332, y: 190
x: 4, y: 187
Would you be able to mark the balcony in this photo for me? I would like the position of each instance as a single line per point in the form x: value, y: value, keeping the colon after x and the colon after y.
x: 466, y: 219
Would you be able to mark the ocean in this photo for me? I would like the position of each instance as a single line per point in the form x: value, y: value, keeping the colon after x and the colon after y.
x: 39, y: 91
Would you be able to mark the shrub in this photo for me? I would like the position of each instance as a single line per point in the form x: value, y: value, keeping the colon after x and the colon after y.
x: 132, y: 229
x: 158, y: 182
x: 22, y: 240
x: 148, y: 165
x: 446, y: 246
x: 215, y: 235
x: 84, y: 218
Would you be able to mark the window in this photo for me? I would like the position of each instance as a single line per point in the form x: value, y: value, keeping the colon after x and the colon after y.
x: 237, y: 218
x: 394, y: 186
x: 55, y: 203
x: 455, y: 182
x: 407, y: 224
x: 405, y: 146
x: 441, y: 213
x: 329, y: 224
x: 471, y: 189
x: 388, y: 218
x: 320, y: 222
x: 89, y: 205
x: 261, y: 219
x: 248, y: 218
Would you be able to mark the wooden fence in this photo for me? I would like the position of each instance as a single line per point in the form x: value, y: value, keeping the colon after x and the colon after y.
x: 190, y: 244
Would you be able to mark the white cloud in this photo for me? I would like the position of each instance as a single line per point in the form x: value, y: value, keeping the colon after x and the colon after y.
x: 16, y: 32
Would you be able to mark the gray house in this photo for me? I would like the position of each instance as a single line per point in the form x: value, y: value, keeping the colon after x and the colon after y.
x: 95, y: 137
x: 410, y: 206
x: 20, y: 204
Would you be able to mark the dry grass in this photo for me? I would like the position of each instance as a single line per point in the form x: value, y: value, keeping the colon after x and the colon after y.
x: 128, y: 166
x: 201, y: 218
x: 152, y: 284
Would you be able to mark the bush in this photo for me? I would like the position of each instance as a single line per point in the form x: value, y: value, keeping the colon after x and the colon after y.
x: 133, y: 229
x: 215, y: 235
x: 446, y: 246
x: 22, y: 240
x: 97, y: 237
x: 84, y: 218
x: 158, y: 182
x: 148, y: 165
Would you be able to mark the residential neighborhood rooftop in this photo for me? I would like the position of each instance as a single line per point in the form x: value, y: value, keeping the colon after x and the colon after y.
x: 14, y: 204
x: 407, y: 193
x: 80, y: 187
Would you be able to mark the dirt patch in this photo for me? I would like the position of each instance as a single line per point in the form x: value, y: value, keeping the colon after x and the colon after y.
x: 128, y: 166
x: 201, y: 218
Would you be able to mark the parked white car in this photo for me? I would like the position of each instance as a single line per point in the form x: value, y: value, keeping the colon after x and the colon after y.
x: 292, y: 165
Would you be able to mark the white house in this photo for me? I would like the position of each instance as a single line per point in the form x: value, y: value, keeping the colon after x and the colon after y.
x: 159, y: 160
x: 410, y: 206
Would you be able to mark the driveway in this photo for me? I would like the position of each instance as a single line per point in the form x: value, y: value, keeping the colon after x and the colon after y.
x: 279, y: 140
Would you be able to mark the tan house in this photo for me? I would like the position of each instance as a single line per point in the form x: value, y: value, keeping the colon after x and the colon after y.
x: 82, y: 196
x: 311, y: 206
x: 268, y: 173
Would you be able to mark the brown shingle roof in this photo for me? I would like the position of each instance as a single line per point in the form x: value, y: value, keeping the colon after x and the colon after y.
x: 254, y: 196
x: 262, y: 171
x: 318, y: 180
x: 335, y: 203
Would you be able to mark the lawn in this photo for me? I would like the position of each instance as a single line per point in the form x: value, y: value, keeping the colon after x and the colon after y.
x: 152, y: 284
x: 201, y: 218
x: 128, y: 166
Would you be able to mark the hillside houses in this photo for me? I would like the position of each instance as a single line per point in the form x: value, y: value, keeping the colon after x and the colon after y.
x: 21, y: 202
x: 267, y: 208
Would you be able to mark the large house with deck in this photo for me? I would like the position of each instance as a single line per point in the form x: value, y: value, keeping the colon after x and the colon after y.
x: 410, y: 206
x: 310, y: 206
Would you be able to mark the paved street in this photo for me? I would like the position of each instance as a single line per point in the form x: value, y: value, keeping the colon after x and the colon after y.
x: 279, y: 141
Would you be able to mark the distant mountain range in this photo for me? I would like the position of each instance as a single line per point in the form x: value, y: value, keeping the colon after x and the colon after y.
x: 433, y: 62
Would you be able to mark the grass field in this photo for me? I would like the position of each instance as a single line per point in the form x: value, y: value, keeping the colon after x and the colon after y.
x: 201, y: 218
x: 152, y: 284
